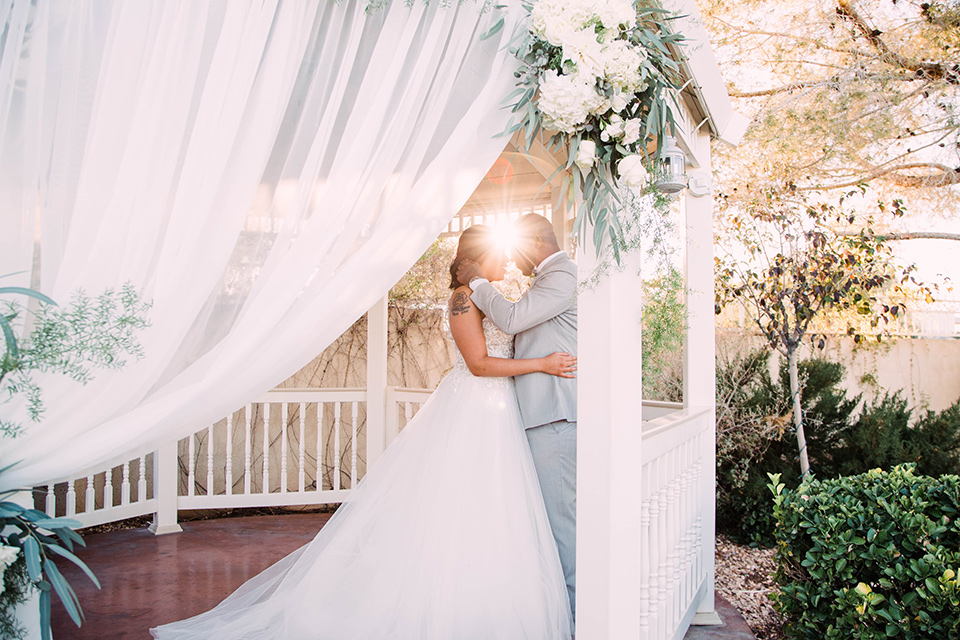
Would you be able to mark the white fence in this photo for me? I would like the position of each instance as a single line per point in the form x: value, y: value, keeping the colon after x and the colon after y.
x: 291, y: 447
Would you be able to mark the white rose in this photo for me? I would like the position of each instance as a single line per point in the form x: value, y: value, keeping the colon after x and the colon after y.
x: 554, y: 20
x: 613, y: 13
x: 614, y: 128
x: 586, y: 154
x: 8, y: 555
x: 632, y: 172
x: 631, y: 130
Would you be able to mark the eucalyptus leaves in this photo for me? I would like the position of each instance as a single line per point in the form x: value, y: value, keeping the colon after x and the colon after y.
x: 43, y: 541
x: 599, y: 73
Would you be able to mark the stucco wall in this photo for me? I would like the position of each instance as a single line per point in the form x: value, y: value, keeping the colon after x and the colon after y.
x: 926, y: 370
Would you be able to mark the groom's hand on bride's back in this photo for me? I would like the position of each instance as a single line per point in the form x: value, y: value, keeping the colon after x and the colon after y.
x: 467, y: 271
x: 560, y: 364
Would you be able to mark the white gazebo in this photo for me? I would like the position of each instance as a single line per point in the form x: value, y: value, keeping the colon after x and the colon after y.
x: 645, y: 469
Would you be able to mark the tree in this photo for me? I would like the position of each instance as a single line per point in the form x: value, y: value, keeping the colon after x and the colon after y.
x: 789, y: 265
x: 843, y: 92
x: 88, y: 333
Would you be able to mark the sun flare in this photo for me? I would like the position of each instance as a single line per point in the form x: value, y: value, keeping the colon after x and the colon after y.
x: 505, y: 236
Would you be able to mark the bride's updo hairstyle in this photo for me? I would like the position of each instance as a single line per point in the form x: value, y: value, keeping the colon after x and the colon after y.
x: 475, y: 242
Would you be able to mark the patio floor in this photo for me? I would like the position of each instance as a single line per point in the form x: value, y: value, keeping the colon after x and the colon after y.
x: 149, y: 580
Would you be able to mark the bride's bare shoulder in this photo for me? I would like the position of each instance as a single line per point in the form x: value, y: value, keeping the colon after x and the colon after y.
x: 460, y: 303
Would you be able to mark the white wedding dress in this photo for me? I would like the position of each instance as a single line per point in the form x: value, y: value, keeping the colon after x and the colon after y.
x: 446, y: 538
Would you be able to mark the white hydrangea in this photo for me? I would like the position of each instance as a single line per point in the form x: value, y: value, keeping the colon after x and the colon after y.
x: 567, y: 101
x: 632, y: 172
x: 614, y: 13
x: 555, y: 20
x: 582, y: 48
x: 622, y: 66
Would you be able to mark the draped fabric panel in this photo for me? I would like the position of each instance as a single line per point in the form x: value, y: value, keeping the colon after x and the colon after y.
x: 263, y: 171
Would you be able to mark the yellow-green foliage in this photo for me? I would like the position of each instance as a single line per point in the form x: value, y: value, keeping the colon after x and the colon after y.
x: 870, y: 556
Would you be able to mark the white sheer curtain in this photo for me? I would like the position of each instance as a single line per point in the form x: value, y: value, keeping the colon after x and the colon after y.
x: 263, y: 170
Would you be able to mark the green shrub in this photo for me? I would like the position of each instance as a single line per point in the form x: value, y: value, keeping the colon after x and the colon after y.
x: 934, y: 441
x: 870, y: 556
x: 755, y: 436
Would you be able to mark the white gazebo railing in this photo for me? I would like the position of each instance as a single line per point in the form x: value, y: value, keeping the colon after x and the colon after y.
x: 290, y: 447
x: 674, y: 578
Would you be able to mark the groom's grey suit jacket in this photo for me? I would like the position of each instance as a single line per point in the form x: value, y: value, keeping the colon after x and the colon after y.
x: 544, y: 320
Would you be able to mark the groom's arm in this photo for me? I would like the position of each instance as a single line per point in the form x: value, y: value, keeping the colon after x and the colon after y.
x: 549, y: 297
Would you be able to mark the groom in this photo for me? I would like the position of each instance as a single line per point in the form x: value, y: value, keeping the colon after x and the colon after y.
x: 544, y: 320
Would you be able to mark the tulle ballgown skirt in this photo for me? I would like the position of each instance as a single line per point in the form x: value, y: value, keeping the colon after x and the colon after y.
x: 445, y: 539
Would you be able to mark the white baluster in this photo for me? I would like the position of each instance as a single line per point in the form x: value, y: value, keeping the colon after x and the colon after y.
x: 51, y: 501
x: 336, y: 446
x: 664, y: 540
x: 228, y: 467
x: 407, y: 413
x: 686, y: 544
x: 108, y: 489
x: 700, y: 569
x: 247, y: 444
x: 353, y: 447
x: 191, y: 464
x: 645, y: 553
x: 318, y: 478
x: 125, y: 485
x: 301, y: 452
x: 210, y: 490
x: 654, y: 534
x: 672, y: 535
x: 284, y: 416
x: 690, y: 504
x: 72, y: 496
x: 265, y: 487
x: 142, y: 479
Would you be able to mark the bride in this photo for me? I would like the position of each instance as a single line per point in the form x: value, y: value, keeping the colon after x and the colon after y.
x: 446, y: 538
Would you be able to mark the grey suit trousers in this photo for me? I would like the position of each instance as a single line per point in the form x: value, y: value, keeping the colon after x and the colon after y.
x: 554, y: 448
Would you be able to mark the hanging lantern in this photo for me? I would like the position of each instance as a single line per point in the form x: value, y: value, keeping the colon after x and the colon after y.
x: 671, y: 177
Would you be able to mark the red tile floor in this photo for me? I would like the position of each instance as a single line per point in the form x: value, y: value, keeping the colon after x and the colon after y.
x: 149, y: 580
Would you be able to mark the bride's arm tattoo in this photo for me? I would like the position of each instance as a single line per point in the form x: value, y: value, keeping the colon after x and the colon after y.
x: 460, y: 304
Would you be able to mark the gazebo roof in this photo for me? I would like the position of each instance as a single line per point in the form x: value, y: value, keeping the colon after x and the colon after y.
x: 705, y: 94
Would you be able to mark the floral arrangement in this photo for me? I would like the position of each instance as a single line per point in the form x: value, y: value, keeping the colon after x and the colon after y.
x: 599, y: 73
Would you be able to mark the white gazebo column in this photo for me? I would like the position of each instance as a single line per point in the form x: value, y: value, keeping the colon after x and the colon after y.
x: 166, y: 479
x: 699, y: 356
x: 608, y: 453
x: 377, y: 319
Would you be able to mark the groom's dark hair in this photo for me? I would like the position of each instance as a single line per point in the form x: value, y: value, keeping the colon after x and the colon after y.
x: 475, y: 242
x: 534, y: 224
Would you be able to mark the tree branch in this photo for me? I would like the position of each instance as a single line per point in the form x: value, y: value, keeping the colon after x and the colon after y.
x: 949, y: 72
x: 909, y: 235
x: 943, y: 177
x: 787, y: 88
